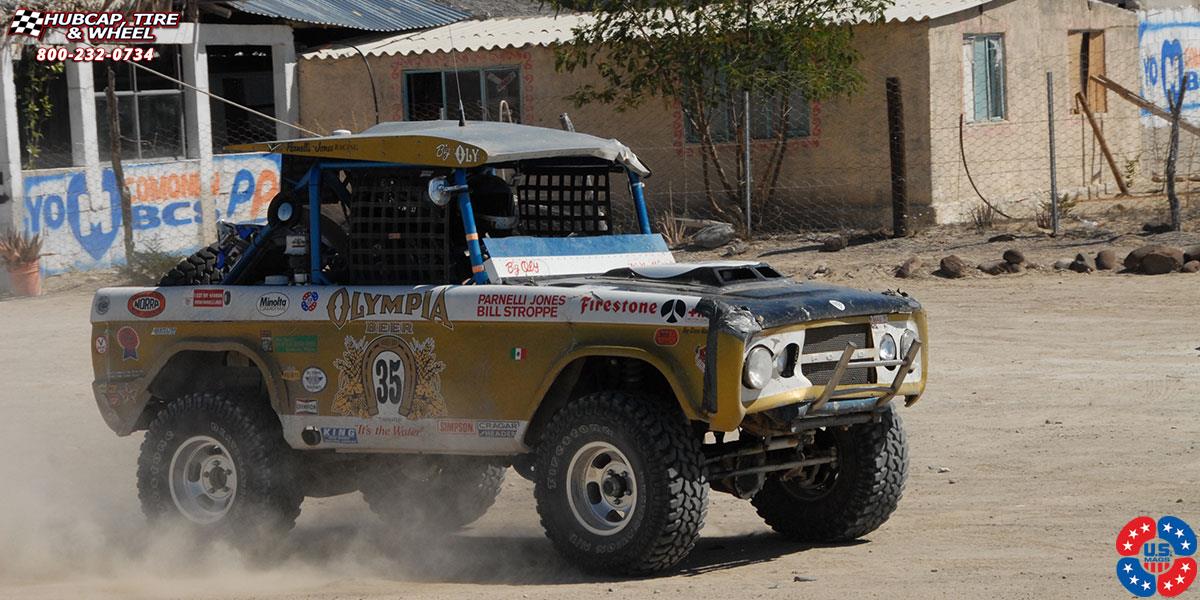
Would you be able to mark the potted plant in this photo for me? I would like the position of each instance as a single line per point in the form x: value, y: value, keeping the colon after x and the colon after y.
x: 21, y: 254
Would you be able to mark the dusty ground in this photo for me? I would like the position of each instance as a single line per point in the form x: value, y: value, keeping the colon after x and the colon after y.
x: 1062, y: 405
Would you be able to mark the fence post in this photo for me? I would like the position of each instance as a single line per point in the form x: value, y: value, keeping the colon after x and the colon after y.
x: 895, y: 117
x: 1053, y: 167
x: 746, y: 156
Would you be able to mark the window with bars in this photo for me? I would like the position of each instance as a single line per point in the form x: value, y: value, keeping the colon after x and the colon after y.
x: 560, y: 201
x: 149, y: 107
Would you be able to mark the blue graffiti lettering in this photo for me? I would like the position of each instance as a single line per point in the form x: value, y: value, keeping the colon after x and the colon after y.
x: 33, y: 213
x: 145, y: 216
x: 1172, y: 69
x: 1151, y: 68
x: 169, y: 217
x: 241, y: 192
x: 96, y: 241
x: 55, y: 211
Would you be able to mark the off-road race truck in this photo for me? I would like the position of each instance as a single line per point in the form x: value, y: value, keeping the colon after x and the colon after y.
x: 429, y: 303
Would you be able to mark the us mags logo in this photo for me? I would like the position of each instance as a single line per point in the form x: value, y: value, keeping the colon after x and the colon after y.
x: 1156, y: 556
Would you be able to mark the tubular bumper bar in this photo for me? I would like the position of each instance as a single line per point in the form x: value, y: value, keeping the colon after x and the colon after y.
x: 886, y: 393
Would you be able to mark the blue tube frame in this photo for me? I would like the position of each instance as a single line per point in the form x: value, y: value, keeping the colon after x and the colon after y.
x: 639, y: 200
x: 478, y: 274
x: 312, y: 181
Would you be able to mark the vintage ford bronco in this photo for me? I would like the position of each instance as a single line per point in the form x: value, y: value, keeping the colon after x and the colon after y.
x: 429, y: 303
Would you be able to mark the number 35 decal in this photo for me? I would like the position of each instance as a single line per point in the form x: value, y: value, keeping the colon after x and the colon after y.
x: 389, y: 374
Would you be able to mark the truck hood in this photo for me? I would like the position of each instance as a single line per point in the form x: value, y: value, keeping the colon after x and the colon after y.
x: 756, y: 287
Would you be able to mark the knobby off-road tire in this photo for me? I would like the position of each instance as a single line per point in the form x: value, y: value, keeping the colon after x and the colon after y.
x: 858, y: 495
x: 218, y: 463
x: 444, y: 494
x: 198, y: 269
x: 632, y: 454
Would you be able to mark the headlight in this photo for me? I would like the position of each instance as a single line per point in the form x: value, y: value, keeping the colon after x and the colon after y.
x: 887, y: 347
x: 906, y: 341
x: 760, y: 365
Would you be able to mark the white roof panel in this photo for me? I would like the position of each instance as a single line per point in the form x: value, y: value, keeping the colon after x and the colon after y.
x: 515, y: 32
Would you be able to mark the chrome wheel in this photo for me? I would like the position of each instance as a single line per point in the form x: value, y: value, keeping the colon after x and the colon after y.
x: 203, y: 480
x: 601, y: 488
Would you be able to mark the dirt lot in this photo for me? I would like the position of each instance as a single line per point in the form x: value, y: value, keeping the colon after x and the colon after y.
x: 1062, y: 405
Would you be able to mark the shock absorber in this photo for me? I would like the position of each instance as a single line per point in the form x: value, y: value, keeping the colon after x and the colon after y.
x: 632, y: 373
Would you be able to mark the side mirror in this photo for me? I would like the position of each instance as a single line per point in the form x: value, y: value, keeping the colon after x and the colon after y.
x: 438, y: 193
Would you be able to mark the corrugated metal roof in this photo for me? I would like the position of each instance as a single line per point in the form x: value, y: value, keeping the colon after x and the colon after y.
x: 494, y: 34
x: 919, y: 10
x: 368, y: 15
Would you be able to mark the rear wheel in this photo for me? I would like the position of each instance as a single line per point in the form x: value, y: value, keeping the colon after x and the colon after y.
x: 620, y: 485
x: 431, y: 493
x: 219, y: 463
x: 846, y: 499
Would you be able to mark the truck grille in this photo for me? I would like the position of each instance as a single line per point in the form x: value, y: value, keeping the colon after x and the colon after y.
x: 834, y: 339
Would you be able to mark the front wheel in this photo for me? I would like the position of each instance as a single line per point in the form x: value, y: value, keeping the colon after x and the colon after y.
x: 846, y: 499
x: 620, y: 486
x: 219, y: 464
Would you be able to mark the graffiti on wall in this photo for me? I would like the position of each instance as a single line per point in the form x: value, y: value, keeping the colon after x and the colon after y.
x: 82, y: 230
x: 1169, y: 48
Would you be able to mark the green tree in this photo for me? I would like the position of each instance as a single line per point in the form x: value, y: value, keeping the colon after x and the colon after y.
x: 705, y: 55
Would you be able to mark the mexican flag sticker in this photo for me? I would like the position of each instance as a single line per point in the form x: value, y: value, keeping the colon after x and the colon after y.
x: 518, y: 353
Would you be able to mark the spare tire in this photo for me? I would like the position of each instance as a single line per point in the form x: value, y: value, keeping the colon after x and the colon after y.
x: 198, y: 269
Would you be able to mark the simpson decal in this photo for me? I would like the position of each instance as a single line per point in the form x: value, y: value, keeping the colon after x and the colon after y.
x: 306, y: 407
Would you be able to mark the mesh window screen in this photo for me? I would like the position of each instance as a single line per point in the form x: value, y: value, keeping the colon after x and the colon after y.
x: 557, y: 201
x: 397, y: 236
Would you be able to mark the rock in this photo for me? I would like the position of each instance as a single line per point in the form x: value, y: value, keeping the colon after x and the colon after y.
x: 1133, y: 260
x: 1192, y: 266
x: 943, y: 469
x: 1003, y: 237
x: 1082, y: 264
x: 833, y: 244
x: 908, y: 268
x: 1085, y: 261
x: 1014, y: 256
x: 820, y: 271
x: 1062, y: 264
x: 734, y: 248
x: 952, y: 267
x: 1191, y: 253
x: 1160, y: 260
x: 1015, y: 268
x: 1106, y: 260
x: 995, y: 267
x: 714, y: 236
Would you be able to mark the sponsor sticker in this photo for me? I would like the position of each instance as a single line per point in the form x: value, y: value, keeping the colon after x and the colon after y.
x: 300, y: 344
x: 344, y: 306
x: 673, y: 310
x: 339, y: 435
x: 163, y: 331
x: 666, y: 336
x: 207, y: 298
x: 306, y: 406
x: 265, y: 341
x: 128, y: 340
x: 497, y: 429
x: 102, y: 304
x: 456, y: 426
x: 308, y: 303
x: 313, y: 380
x: 146, y: 305
x: 518, y: 353
x: 289, y: 373
x: 1156, y: 557
x: 701, y: 357
x: 519, y: 306
x: 101, y: 344
x: 272, y: 304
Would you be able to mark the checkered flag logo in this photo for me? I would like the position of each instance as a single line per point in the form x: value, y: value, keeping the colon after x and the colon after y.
x: 27, y: 22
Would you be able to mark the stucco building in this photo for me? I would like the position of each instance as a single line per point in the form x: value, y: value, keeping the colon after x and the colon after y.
x: 984, y: 61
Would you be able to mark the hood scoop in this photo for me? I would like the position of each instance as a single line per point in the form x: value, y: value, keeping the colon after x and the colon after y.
x: 713, y: 274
